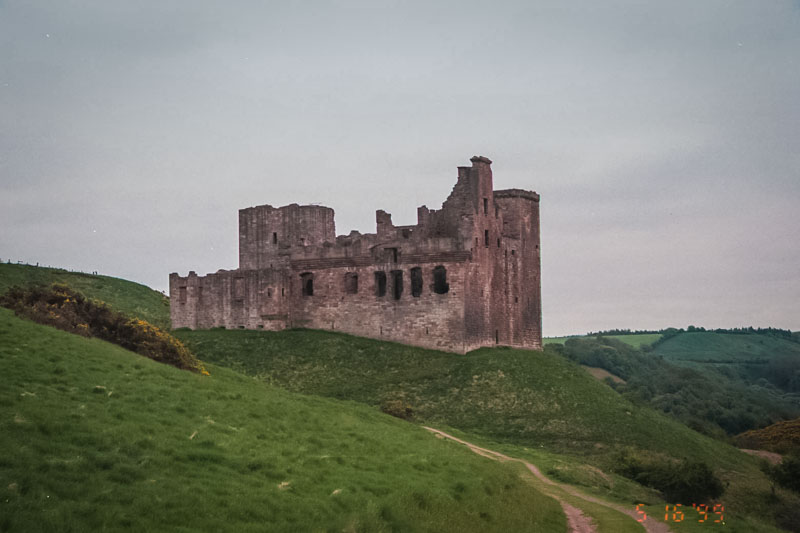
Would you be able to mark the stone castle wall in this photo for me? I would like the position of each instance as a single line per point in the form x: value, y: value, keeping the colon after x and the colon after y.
x: 294, y: 272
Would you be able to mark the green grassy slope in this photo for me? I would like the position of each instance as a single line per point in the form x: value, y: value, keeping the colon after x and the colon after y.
x: 698, y: 348
x: 98, y: 438
x: 127, y: 297
x: 523, y: 403
x: 516, y: 396
x: 636, y: 340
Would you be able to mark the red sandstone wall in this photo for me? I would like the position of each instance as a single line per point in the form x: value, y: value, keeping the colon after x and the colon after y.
x: 521, y: 220
x: 430, y: 320
x: 252, y: 299
x: 266, y: 232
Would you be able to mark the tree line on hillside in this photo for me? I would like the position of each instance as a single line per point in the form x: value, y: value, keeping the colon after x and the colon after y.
x: 714, y: 403
x: 667, y: 333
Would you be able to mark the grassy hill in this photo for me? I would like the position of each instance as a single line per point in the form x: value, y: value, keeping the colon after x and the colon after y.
x: 98, y: 438
x: 127, y: 297
x: 523, y: 402
x: 514, y: 396
x: 768, y: 363
x: 699, y: 349
x: 634, y: 339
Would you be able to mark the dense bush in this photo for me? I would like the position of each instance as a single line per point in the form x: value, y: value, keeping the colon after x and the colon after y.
x: 395, y: 404
x: 782, y: 437
x: 786, y: 473
x: 61, y: 307
x: 682, y: 482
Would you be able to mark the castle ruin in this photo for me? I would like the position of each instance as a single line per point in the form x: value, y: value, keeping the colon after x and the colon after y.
x: 464, y: 276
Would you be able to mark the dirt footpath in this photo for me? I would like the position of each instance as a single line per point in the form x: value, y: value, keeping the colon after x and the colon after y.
x: 576, y: 520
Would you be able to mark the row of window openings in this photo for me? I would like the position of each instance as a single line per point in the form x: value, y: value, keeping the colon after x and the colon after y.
x: 440, y: 285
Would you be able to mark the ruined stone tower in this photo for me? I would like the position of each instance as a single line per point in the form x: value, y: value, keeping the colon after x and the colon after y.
x: 465, y: 276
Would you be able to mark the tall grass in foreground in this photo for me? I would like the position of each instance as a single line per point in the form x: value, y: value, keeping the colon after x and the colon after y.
x: 97, y: 438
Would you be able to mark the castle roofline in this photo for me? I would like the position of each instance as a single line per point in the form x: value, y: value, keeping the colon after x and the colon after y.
x: 517, y: 193
x: 289, y: 206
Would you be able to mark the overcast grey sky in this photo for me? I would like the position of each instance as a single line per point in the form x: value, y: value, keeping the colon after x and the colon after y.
x: 663, y: 137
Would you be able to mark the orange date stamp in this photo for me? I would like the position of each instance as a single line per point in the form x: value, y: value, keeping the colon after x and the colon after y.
x: 705, y: 514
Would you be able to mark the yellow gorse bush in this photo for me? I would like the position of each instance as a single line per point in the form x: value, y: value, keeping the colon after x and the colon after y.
x: 66, y: 309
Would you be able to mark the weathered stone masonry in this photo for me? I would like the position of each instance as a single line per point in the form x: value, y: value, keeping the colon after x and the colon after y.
x: 465, y: 276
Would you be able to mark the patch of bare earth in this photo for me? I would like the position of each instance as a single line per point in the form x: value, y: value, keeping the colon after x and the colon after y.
x: 601, y: 374
x: 577, y: 522
x: 772, y: 457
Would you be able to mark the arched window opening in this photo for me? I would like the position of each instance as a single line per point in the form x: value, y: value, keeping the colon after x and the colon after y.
x: 307, y: 283
x: 351, y: 283
x: 380, y: 283
x: 440, y: 285
x: 416, y: 282
x: 397, y: 284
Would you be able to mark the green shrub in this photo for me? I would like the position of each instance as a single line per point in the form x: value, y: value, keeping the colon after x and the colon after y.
x: 786, y: 473
x: 682, y: 482
x: 63, y: 308
x: 397, y: 406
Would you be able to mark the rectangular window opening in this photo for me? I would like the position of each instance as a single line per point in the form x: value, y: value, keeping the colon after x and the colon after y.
x: 351, y: 283
x: 397, y: 284
x: 486, y: 237
x: 274, y: 238
x: 485, y: 206
x: 416, y: 282
x: 440, y: 285
x: 380, y: 283
x: 307, y: 283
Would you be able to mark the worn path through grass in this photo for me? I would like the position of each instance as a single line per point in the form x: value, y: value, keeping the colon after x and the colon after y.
x: 584, y: 513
